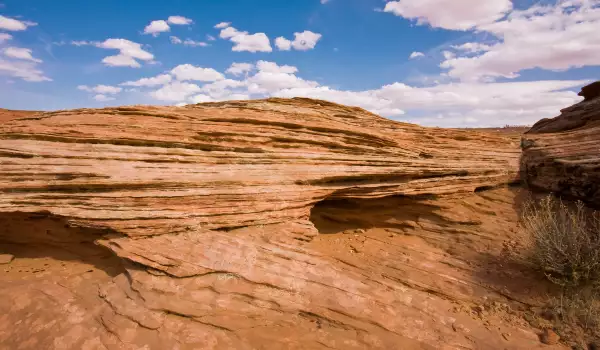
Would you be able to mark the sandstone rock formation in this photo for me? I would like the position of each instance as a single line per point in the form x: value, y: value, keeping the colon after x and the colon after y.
x: 220, y: 226
x: 7, y: 114
x: 561, y: 155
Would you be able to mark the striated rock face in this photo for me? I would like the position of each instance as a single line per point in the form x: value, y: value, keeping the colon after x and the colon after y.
x: 562, y: 154
x: 215, y: 213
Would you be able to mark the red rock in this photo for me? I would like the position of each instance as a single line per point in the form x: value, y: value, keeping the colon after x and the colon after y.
x: 560, y: 155
x: 214, y: 211
x: 549, y: 337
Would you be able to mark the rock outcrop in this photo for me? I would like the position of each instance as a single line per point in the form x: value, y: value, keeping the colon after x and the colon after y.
x: 228, y: 222
x: 562, y: 155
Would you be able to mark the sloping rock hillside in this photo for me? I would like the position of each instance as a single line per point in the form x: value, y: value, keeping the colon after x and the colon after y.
x: 268, y: 224
x: 562, y: 154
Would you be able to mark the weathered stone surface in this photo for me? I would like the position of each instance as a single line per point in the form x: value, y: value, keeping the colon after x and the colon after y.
x: 591, y: 91
x: 562, y: 154
x: 6, y: 258
x: 549, y: 337
x: 217, y: 212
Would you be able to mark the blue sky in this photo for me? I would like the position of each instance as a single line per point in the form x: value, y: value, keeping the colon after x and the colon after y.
x: 474, y: 63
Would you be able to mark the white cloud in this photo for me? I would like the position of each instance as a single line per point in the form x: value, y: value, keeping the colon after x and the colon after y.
x: 103, y: 98
x: 157, y: 27
x: 268, y: 82
x: 129, y: 52
x: 81, y: 43
x: 187, y: 42
x: 190, y: 72
x: 416, y: 54
x: 459, y: 104
x: 5, y: 37
x: 25, y: 70
x: 20, y: 53
x: 239, y: 68
x: 12, y: 24
x: 283, y: 44
x: 101, y: 89
x: 179, y: 20
x: 272, y: 67
x: 472, y: 47
x: 557, y: 38
x: 450, y: 14
x: 223, y: 25
x: 448, y: 55
x: 201, y: 98
x: 120, y: 61
x: 258, y: 42
x: 176, y: 91
x: 210, y: 37
x: 325, y: 1
x: 304, y: 41
x: 154, y: 81
x: 192, y: 43
x: 222, y: 89
x: 454, y: 104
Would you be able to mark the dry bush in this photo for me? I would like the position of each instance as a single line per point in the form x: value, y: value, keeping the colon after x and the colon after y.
x: 565, y: 242
x: 576, y: 307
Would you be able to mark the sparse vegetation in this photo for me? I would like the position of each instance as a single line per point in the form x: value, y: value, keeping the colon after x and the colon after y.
x: 565, y: 242
x: 565, y: 246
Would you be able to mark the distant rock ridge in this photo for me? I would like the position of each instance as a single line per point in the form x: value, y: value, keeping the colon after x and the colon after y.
x: 562, y: 154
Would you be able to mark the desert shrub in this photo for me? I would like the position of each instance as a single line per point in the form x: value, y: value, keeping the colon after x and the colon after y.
x: 576, y: 307
x: 565, y: 242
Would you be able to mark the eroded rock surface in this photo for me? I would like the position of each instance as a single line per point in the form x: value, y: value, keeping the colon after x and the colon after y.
x: 562, y: 154
x: 271, y: 224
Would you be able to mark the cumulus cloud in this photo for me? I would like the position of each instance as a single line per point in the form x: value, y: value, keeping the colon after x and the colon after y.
x: 454, y: 14
x: 176, y: 91
x: 5, y: 37
x: 129, y: 52
x: 304, y: 41
x: 20, y: 53
x: 179, y: 20
x: 239, y: 68
x: 283, y: 44
x: 270, y: 81
x: 552, y: 37
x: 103, y: 98
x: 452, y: 104
x: 416, y: 54
x: 272, y: 67
x: 223, y: 25
x: 101, y: 89
x: 22, y: 69
x: 187, y: 42
x: 153, y: 81
x: 12, y: 24
x: 472, y: 47
x: 190, y: 72
x: 157, y: 27
x: 121, y: 61
x: 201, y: 98
x: 258, y: 42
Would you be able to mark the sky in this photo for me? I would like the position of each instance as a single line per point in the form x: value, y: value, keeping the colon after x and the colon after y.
x: 447, y: 63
